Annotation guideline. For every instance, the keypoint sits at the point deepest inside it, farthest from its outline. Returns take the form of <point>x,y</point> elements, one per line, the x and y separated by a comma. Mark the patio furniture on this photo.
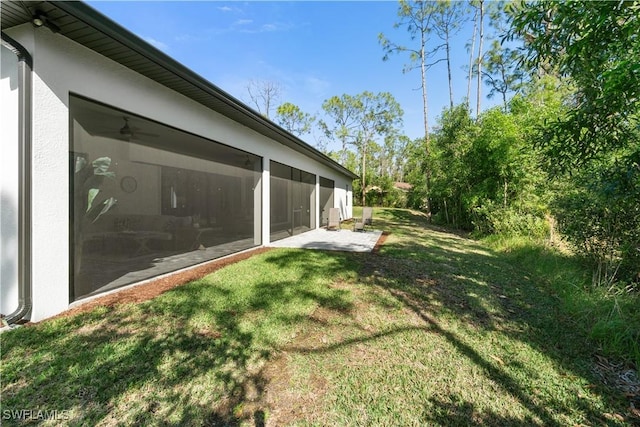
<point>191,238</point>
<point>141,240</point>
<point>135,232</point>
<point>367,215</point>
<point>334,219</point>
<point>367,219</point>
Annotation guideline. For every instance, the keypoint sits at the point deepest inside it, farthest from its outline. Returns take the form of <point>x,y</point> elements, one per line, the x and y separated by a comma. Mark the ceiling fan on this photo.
<point>128,132</point>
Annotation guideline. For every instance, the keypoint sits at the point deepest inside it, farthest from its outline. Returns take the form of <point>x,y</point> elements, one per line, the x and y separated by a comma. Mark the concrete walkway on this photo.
<point>343,240</point>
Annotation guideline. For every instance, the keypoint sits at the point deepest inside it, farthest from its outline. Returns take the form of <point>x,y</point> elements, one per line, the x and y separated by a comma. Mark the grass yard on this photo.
<point>434,329</point>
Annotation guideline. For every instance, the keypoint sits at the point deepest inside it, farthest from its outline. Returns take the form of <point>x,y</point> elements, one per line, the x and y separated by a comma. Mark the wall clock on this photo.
<point>128,184</point>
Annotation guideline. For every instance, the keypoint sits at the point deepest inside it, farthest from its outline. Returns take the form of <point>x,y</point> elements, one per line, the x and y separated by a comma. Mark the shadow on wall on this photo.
<point>8,254</point>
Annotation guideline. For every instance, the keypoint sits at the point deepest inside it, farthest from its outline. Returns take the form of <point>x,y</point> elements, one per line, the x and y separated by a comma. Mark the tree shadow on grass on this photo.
<point>498,375</point>
<point>192,356</point>
<point>444,275</point>
<point>87,372</point>
<point>196,355</point>
<point>453,412</point>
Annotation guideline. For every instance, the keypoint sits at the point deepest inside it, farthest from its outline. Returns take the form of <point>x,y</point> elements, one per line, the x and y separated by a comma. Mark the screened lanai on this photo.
<point>149,199</point>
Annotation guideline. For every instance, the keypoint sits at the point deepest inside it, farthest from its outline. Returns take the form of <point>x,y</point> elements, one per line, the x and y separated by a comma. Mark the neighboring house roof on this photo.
<point>86,26</point>
<point>404,186</point>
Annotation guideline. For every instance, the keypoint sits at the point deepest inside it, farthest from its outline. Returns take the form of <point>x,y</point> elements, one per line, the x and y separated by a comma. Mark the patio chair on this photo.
<point>359,224</point>
<point>367,215</point>
<point>334,219</point>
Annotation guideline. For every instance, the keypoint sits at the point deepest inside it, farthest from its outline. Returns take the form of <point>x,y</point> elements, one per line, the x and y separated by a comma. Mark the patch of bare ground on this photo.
<point>285,400</point>
<point>280,401</point>
<point>153,288</point>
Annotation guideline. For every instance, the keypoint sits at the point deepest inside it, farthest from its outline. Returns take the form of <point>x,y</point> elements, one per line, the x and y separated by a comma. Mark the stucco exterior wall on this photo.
<point>62,67</point>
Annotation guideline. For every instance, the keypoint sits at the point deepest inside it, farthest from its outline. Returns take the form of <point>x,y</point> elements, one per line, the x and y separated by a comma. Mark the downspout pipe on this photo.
<point>25,67</point>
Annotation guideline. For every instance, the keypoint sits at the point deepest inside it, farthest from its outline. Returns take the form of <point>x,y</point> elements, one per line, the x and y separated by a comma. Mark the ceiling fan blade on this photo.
<point>106,134</point>
<point>133,131</point>
<point>153,135</point>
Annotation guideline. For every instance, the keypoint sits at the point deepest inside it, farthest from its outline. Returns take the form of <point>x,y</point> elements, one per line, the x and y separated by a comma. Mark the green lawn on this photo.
<point>435,329</point>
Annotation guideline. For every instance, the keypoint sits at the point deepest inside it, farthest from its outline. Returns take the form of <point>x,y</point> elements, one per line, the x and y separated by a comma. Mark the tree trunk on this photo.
<point>446,212</point>
<point>364,171</point>
<point>505,194</point>
<point>423,70</point>
<point>479,95</point>
<point>471,52</point>
<point>448,50</point>
<point>504,87</point>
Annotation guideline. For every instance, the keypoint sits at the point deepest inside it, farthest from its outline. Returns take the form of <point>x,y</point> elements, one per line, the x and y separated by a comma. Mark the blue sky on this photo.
<point>314,50</point>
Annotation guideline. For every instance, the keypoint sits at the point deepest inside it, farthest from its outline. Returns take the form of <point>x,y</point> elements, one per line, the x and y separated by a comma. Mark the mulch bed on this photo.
<point>380,242</point>
<point>153,288</point>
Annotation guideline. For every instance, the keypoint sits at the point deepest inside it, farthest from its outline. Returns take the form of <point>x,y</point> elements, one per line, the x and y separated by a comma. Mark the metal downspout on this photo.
<point>25,67</point>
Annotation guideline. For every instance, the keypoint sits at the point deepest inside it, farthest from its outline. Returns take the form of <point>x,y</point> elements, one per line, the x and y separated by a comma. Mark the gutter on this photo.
<point>25,67</point>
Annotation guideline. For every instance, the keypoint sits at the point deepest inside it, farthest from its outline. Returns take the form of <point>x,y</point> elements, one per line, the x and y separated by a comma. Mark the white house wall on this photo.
<point>61,67</point>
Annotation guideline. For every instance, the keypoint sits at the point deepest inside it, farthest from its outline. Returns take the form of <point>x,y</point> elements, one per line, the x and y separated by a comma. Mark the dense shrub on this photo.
<point>489,219</point>
<point>600,217</point>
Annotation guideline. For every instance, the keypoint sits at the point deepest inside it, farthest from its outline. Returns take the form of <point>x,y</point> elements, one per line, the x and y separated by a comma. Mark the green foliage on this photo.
<point>593,143</point>
<point>90,205</point>
<point>382,192</point>
<point>486,177</point>
<point>611,319</point>
<point>502,74</point>
<point>293,119</point>
<point>600,216</point>
<point>596,46</point>
<point>494,219</point>
<point>451,173</point>
<point>415,174</point>
<point>358,121</point>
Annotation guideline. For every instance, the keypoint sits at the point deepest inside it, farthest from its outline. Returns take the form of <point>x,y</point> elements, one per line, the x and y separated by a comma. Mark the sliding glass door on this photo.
<point>327,188</point>
<point>293,204</point>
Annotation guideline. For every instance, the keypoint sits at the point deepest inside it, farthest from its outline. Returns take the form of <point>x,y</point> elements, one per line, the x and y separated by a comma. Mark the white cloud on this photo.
<point>243,22</point>
<point>264,28</point>
<point>157,44</point>
<point>228,9</point>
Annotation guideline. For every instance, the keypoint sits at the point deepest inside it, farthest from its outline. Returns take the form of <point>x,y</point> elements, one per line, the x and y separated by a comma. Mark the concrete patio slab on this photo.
<point>329,240</point>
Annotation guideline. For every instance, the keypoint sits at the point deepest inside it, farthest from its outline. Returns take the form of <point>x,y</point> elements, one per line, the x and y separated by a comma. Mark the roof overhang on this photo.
<point>86,26</point>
